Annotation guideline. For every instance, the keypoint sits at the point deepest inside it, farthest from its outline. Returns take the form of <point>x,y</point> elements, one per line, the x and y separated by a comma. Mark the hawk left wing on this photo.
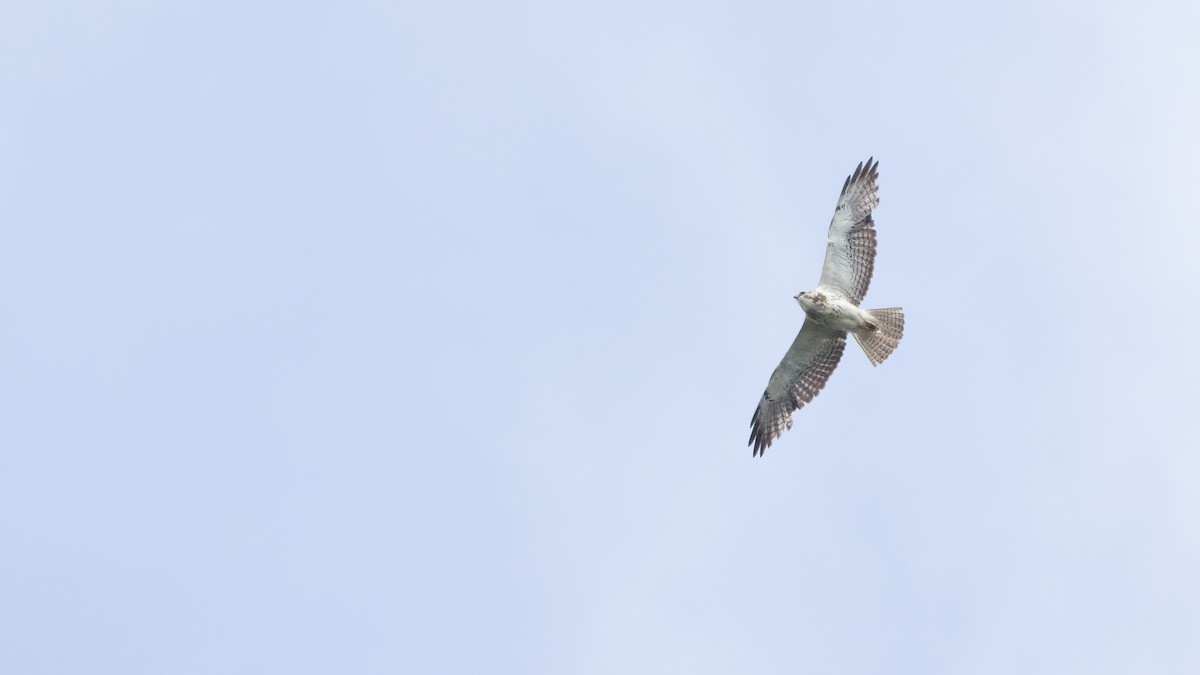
<point>850,254</point>
<point>800,376</point>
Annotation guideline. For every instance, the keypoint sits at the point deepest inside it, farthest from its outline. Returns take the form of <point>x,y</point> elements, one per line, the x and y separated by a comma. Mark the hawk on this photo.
<point>832,311</point>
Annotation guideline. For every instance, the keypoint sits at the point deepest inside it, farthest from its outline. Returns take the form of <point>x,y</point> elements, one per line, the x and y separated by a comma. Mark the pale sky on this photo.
<point>424,338</point>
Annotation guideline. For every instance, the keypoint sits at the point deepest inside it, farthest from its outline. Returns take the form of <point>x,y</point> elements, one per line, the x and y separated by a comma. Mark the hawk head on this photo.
<point>810,299</point>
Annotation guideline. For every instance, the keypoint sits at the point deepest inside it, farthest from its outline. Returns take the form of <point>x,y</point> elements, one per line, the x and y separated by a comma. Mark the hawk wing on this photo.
<point>850,255</point>
<point>801,375</point>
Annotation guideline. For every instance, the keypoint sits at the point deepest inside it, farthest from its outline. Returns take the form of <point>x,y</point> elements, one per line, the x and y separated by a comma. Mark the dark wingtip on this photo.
<point>864,170</point>
<point>760,444</point>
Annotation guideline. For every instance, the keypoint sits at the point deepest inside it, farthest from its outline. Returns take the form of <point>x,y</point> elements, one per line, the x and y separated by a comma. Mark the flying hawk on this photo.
<point>832,310</point>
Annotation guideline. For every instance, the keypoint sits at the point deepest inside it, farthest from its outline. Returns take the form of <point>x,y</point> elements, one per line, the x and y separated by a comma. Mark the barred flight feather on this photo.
<point>800,376</point>
<point>850,252</point>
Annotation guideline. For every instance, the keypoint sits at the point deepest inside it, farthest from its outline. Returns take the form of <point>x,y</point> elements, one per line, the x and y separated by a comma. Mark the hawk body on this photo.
<point>832,311</point>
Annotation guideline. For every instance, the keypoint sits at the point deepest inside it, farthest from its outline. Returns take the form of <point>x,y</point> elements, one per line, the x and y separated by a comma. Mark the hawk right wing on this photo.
<point>800,376</point>
<point>850,254</point>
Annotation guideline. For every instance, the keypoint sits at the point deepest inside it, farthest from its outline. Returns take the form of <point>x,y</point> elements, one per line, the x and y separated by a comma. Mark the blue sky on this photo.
<point>387,337</point>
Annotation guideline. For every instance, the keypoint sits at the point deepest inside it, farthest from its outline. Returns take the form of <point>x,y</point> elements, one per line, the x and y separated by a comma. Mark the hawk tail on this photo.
<point>879,340</point>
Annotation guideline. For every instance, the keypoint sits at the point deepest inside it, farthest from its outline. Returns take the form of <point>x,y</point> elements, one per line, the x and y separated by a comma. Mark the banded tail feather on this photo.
<point>879,340</point>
